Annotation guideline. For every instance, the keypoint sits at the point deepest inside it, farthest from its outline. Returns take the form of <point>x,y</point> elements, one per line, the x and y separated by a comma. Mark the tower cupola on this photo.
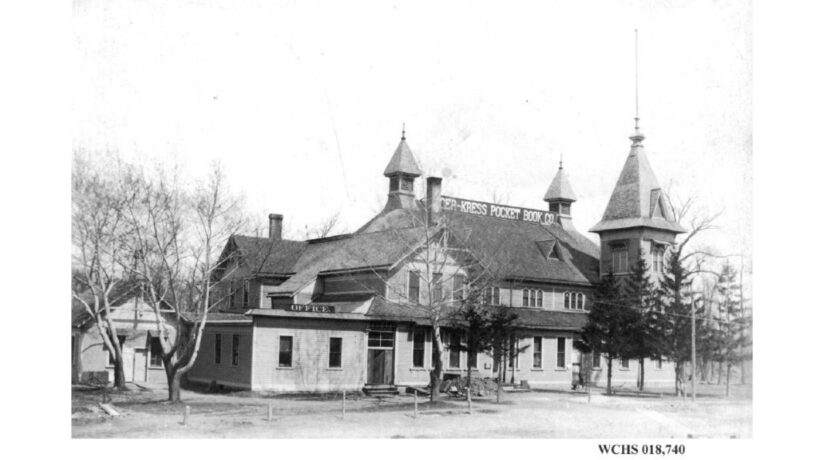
<point>402,171</point>
<point>560,196</point>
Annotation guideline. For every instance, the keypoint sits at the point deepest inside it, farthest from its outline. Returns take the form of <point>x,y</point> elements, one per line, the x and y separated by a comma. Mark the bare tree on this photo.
<point>178,235</point>
<point>100,257</point>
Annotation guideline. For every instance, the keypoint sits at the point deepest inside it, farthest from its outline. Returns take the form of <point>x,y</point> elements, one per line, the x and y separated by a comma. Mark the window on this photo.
<point>406,185</point>
<point>246,293</point>
<point>658,258</point>
<point>596,360</point>
<point>414,293</point>
<point>121,339</point>
<point>624,363</point>
<point>418,348</point>
<point>574,300</point>
<point>659,363</point>
<point>492,296</point>
<point>537,352</point>
<point>335,351</point>
<point>454,350</point>
<point>285,351</point>
<point>540,303</point>
<point>565,207</point>
<point>217,348</point>
<point>232,295</point>
<point>381,339</point>
<point>525,300</point>
<point>532,297</point>
<point>156,352</point>
<point>437,287</point>
<point>560,359</point>
<point>620,259</point>
<point>458,282</point>
<point>235,349</point>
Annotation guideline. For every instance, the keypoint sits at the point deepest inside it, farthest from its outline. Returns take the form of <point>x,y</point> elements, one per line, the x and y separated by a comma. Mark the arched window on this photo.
<point>540,299</point>
<point>579,304</point>
<point>526,298</point>
<point>566,300</point>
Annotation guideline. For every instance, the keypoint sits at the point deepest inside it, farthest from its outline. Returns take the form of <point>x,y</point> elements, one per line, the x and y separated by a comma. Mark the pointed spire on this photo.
<point>637,200</point>
<point>560,188</point>
<point>403,161</point>
<point>637,137</point>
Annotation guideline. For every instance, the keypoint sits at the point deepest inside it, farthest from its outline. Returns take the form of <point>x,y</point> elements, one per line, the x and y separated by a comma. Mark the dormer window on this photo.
<point>414,287</point>
<point>565,209</point>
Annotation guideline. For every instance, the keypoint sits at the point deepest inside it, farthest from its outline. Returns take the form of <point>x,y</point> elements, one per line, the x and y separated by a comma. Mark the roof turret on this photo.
<point>560,188</point>
<point>402,161</point>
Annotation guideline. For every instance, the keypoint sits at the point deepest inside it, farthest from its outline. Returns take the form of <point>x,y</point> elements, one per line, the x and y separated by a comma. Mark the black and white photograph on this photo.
<point>412,220</point>
<point>466,228</point>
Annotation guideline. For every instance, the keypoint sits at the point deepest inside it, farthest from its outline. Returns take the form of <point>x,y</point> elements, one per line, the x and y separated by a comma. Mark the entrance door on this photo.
<point>379,367</point>
<point>380,358</point>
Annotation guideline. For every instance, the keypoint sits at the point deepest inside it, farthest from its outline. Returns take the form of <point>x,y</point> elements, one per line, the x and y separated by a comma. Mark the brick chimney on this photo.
<point>433,199</point>
<point>275,226</point>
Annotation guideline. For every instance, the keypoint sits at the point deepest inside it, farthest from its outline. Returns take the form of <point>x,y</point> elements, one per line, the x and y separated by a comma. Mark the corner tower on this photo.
<point>402,171</point>
<point>638,221</point>
<point>560,197</point>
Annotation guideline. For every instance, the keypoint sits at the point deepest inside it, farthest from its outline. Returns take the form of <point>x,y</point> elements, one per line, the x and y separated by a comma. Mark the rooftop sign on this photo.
<point>481,208</point>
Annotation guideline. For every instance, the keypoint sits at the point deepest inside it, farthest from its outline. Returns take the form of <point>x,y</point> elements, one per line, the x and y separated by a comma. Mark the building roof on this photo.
<point>256,252</point>
<point>402,161</point>
<point>637,200</point>
<point>513,249</point>
<point>560,188</point>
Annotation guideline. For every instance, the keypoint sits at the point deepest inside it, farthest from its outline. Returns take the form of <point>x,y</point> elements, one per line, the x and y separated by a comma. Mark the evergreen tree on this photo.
<point>643,333</point>
<point>731,323</point>
<point>608,323</point>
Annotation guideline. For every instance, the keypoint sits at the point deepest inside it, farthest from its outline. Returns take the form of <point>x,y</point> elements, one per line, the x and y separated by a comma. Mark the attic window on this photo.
<point>549,248</point>
<point>565,209</point>
<point>554,207</point>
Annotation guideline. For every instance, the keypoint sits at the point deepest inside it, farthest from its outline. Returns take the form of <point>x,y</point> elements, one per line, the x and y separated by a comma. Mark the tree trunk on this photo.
<point>720,372</point>
<point>436,374</point>
<point>729,368</point>
<point>500,389</point>
<point>609,375</point>
<point>174,387</point>
<point>170,379</point>
<point>641,374</point>
<point>469,386</point>
<point>119,373</point>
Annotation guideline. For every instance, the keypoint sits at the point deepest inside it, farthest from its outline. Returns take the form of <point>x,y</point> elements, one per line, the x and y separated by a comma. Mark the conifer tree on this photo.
<point>607,324</point>
<point>644,333</point>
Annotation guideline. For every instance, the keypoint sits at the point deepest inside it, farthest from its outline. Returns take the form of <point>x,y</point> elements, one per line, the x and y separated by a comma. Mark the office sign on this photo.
<point>309,308</point>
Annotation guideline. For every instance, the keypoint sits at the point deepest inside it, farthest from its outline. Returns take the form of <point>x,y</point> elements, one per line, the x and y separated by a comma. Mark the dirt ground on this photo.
<point>532,414</point>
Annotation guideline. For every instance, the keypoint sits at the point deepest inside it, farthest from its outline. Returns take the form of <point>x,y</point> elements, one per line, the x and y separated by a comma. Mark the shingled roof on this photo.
<point>264,255</point>
<point>511,248</point>
<point>637,200</point>
<point>560,188</point>
<point>402,162</point>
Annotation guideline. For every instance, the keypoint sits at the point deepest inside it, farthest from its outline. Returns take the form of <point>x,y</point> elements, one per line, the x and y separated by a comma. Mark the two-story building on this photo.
<point>355,310</point>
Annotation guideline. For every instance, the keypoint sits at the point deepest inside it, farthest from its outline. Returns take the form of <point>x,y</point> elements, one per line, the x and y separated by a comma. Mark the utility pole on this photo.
<point>692,307</point>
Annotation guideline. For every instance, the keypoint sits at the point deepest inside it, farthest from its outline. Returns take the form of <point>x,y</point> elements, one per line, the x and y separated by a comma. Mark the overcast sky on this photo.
<point>303,101</point>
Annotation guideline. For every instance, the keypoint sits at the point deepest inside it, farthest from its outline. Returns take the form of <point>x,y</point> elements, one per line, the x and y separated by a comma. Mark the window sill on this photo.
<point>418,369</point>
<point>335,369</point>
<point>280,368</point>
<point>156,367</point>
<point>561,369</point>
<point>537,369</point>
